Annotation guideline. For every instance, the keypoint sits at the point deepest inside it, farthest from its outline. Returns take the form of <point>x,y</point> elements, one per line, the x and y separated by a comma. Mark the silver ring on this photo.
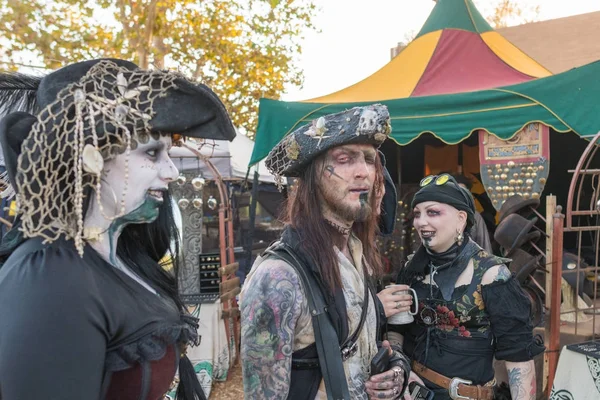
<point>395,390</point>
<point>397,371</point>
<point>397,304</point>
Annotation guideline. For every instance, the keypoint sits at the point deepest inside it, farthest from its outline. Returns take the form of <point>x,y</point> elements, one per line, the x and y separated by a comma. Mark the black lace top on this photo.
<point>77,328</point>
<point>461,336</point>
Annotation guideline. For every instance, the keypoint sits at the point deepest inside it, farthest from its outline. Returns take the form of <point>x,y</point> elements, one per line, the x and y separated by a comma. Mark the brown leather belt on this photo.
<point>458,388</point>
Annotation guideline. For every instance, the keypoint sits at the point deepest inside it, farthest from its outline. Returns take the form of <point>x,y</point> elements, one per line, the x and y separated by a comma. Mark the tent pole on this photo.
<point>252,219</point>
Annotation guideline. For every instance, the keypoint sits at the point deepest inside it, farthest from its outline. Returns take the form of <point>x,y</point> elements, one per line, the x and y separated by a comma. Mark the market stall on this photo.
<point>463,99</point>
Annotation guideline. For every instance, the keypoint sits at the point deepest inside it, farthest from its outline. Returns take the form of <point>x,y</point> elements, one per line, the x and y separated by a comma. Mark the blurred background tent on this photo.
<point>231,159</point>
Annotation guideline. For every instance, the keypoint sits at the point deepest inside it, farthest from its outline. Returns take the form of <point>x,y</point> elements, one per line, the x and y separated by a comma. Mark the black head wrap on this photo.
<point>448,193</point>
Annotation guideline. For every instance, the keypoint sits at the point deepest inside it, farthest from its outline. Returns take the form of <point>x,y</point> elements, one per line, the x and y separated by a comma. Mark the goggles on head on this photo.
<point>438,180</point>
<point>442,179</point>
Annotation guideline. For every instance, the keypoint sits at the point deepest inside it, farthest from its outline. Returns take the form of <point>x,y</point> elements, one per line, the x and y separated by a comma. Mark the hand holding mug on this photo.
<point>394,301</point>
<point>404,315</point>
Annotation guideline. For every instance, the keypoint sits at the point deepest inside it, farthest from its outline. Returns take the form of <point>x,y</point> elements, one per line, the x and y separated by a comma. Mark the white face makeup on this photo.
<point>346,182</point>
<point>150,171</point>
<point>438,224</point>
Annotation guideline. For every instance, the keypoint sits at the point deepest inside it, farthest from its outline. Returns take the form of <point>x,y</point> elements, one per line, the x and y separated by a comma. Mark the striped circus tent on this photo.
<point>457,76</point>
<point>456,51</point>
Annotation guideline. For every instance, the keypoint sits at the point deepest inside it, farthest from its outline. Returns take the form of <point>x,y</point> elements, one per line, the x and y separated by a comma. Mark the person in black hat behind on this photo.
<point>470,307</point>
<point>290,349</point>
<point>87,311</point>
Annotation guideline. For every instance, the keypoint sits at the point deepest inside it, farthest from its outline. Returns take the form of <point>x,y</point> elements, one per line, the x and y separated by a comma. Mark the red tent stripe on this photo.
<point>462,62</point>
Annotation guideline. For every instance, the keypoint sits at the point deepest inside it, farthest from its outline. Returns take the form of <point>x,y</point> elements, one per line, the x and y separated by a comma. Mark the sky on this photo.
<point>356,36</point>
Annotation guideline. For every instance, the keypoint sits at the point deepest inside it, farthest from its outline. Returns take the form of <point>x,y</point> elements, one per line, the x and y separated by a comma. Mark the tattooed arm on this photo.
<point>521,375</point>
<point>521,379</point>
<point>270,306</point>
<point>496,273</point>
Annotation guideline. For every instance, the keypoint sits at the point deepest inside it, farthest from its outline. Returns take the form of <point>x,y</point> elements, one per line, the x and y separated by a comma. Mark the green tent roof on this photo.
<point>455,14</point>
<point>566,102</point>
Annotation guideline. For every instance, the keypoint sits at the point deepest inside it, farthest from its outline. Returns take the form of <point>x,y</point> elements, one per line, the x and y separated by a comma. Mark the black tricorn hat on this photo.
<point>514,231</point>
<point>518,204</point>
<point>359,125</point>
<point>190,109</point>
<point>187,108</point>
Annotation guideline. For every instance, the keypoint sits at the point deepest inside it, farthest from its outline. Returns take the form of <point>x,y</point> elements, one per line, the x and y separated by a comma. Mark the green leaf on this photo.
<point>467,300</point>
<point>461,308</point>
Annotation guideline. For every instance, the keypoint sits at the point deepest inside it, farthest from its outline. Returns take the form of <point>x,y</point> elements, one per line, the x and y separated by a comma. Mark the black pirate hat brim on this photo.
<point>192,109</point>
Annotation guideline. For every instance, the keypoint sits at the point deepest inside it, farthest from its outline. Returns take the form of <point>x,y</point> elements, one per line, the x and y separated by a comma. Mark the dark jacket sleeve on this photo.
<point>510,318</point>
<point>52,340</point>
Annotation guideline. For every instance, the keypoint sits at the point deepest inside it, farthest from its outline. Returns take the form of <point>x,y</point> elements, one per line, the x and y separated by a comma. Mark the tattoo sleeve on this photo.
<point>270,306</point>
<point>503,274</point>
<point>521,379</point>
<point>498,273</point>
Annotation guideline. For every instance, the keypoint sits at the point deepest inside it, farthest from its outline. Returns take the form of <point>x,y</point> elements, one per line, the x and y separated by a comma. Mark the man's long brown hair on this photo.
<point>303,212</point>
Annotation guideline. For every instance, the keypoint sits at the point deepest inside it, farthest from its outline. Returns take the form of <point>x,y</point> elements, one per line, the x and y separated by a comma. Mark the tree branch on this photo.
<point>147,38</point>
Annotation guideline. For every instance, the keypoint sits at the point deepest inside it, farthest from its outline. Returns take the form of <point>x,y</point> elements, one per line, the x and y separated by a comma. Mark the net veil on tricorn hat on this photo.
<point>103,107</point>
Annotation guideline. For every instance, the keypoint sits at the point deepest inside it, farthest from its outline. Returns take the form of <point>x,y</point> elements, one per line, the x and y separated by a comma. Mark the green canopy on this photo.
<point>455,15</point>
<point>567,102</point>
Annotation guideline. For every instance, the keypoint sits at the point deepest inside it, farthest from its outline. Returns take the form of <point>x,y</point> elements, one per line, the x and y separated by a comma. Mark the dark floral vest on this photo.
<point>465,315</point>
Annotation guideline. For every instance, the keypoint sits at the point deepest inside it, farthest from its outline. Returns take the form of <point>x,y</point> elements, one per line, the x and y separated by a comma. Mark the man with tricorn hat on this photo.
<point>87,310</point>
<point>310,317</point>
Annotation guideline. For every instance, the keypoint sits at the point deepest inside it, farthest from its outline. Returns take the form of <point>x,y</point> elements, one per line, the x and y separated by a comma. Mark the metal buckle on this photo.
<point>348,352</point>
<point>453,389</point>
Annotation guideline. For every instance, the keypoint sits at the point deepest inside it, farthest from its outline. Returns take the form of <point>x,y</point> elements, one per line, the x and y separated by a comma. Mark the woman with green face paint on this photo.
<point>87,311</point>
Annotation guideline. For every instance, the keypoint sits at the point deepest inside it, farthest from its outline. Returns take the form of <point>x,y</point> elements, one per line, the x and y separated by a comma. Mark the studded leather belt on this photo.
<point>457,387</point>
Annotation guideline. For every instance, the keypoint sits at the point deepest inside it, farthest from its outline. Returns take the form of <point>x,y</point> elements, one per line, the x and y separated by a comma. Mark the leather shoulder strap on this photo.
<point>330,359</point>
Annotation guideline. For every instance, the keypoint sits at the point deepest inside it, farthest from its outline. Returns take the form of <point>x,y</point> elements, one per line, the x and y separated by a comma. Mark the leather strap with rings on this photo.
<point>457,388</point>
<point>350,345</point>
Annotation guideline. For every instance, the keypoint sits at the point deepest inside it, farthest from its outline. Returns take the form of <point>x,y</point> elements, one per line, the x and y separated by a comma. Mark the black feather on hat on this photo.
<point>18,92</point>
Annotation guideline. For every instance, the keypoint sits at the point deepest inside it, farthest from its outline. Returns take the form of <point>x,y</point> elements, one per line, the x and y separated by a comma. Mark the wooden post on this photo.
<point>550,210</point>
<point>557,252</point>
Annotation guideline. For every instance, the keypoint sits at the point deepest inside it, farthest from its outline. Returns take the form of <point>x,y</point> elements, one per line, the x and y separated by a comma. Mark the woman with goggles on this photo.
<point>471,310</point>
